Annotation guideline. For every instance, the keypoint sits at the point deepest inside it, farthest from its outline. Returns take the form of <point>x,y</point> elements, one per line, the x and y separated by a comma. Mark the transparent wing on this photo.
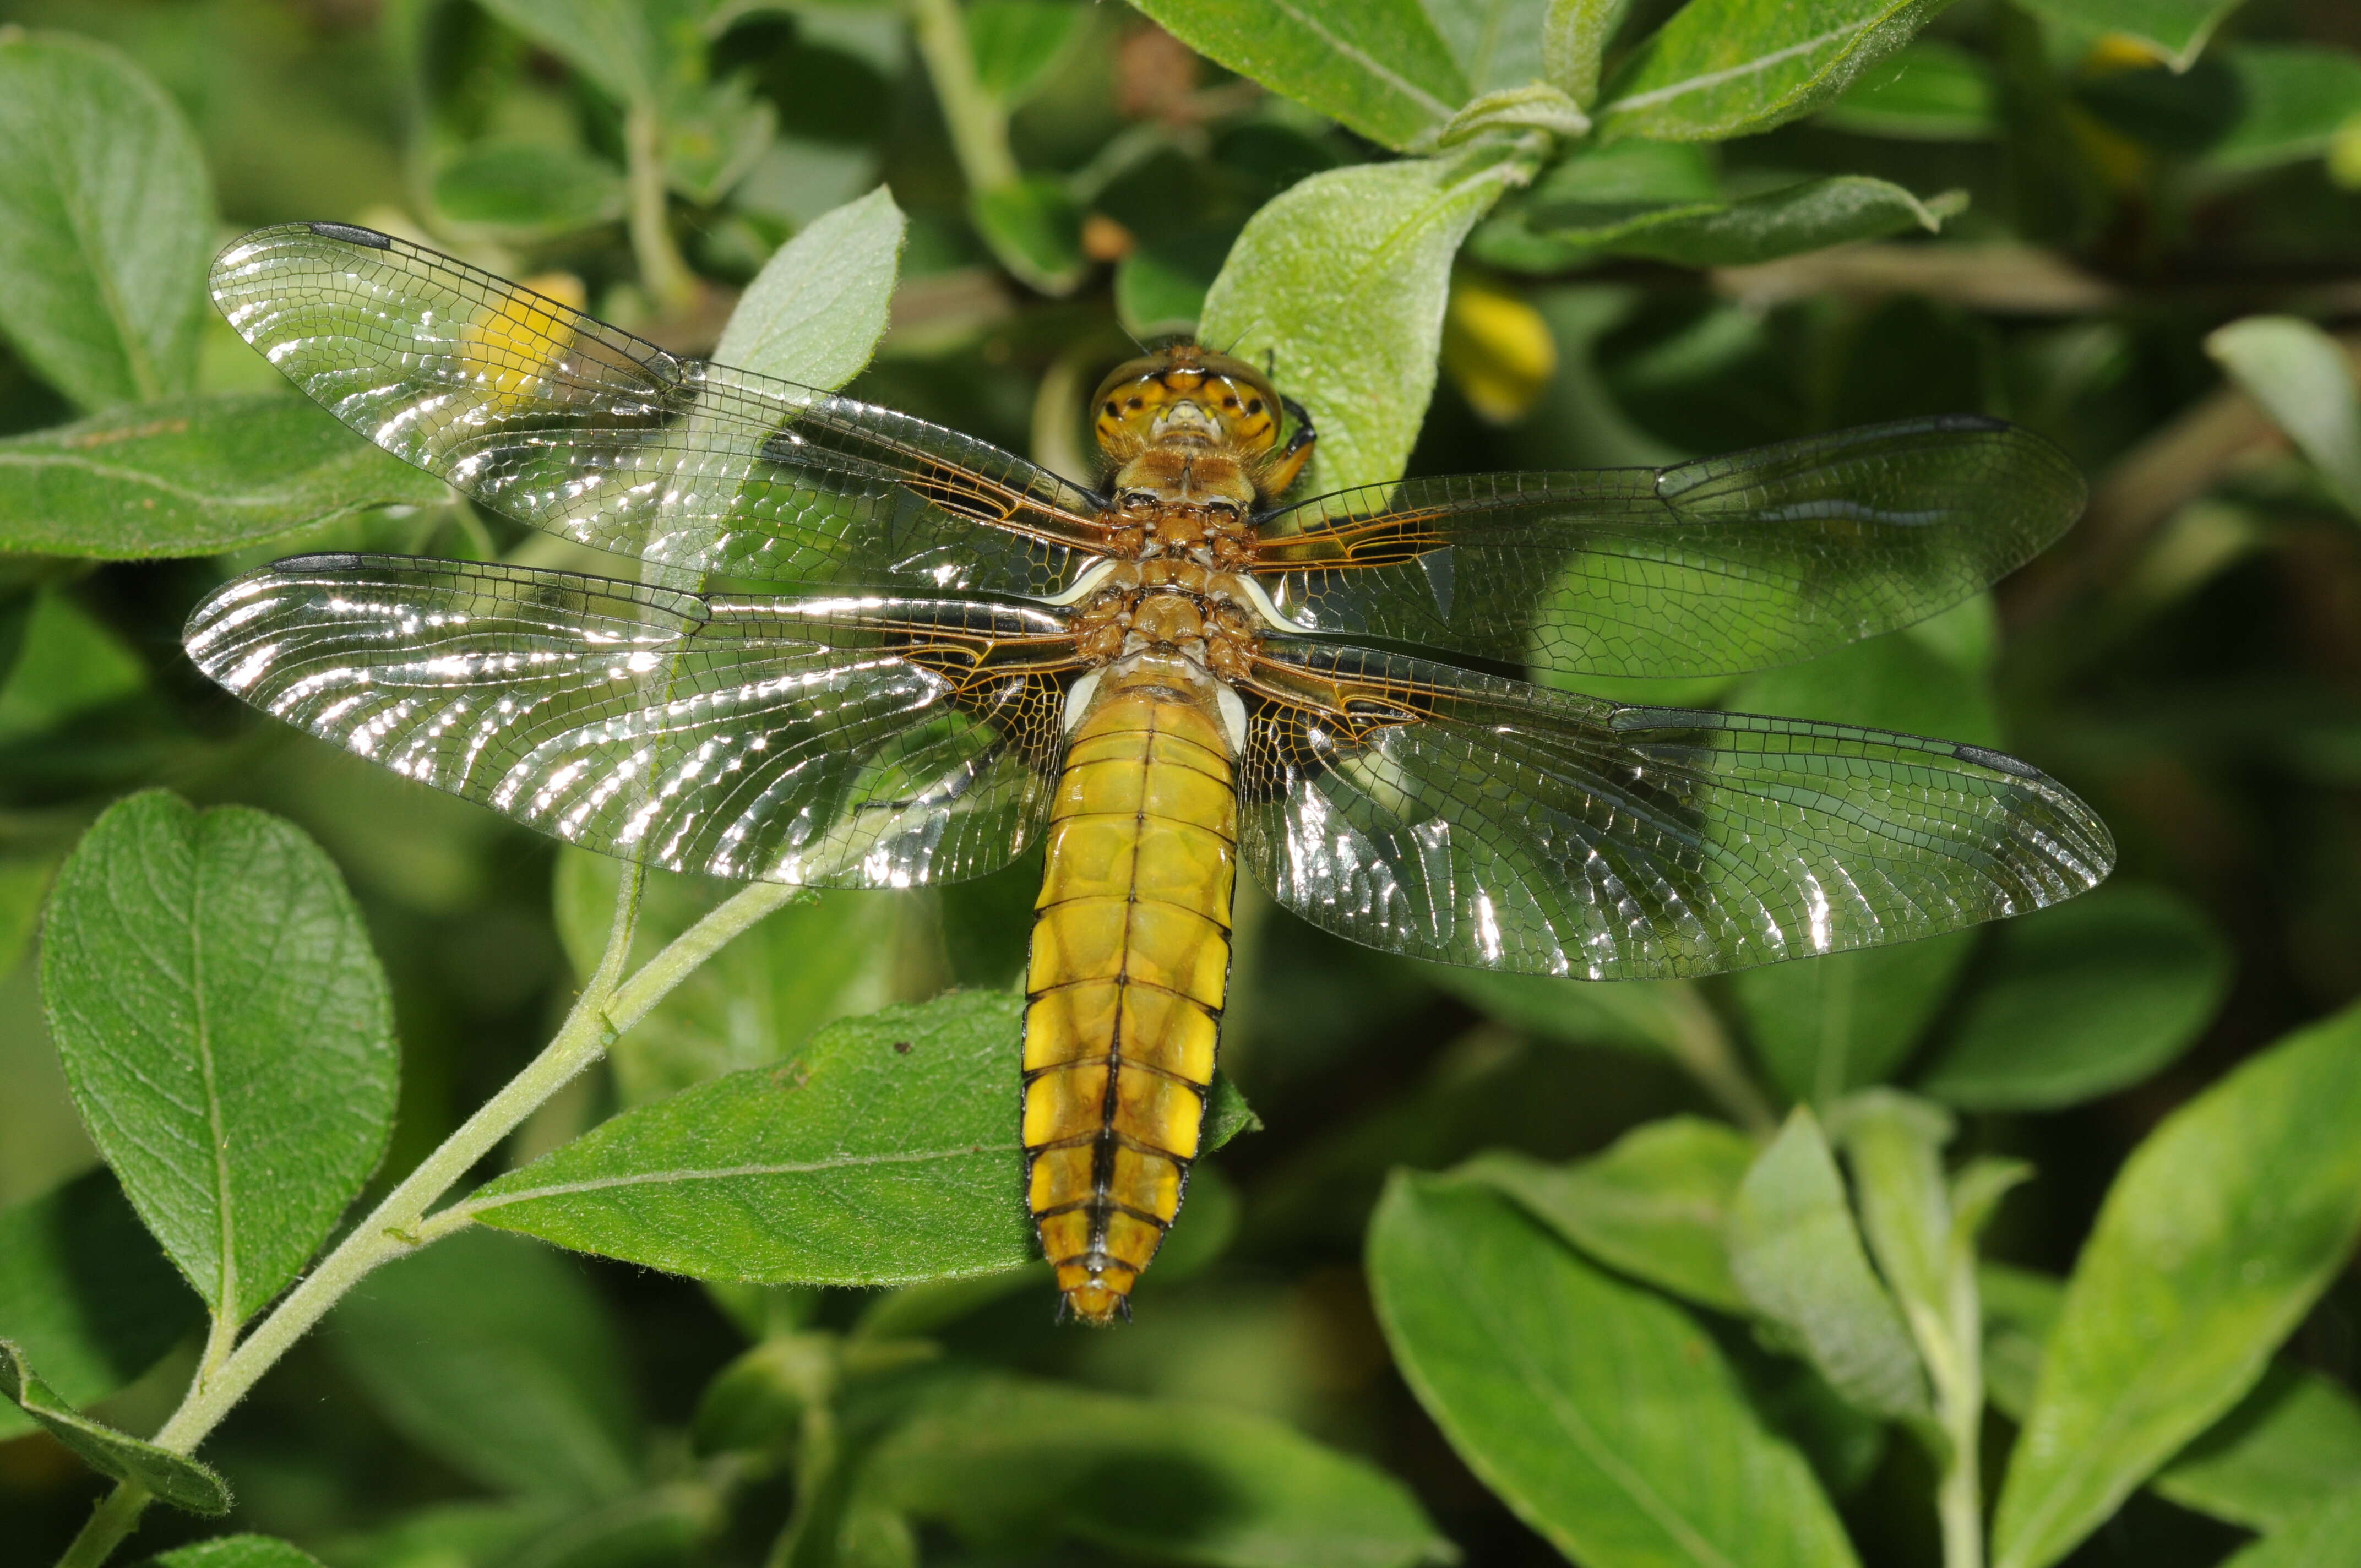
<point>855,742</point>
<point>1757,558</point>
<point>1429,811</point>
<point>567,423</point>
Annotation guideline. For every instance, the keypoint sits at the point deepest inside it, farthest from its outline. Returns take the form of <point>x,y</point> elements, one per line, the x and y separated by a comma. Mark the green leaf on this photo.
<point>2175,31</point>
<point>634,49</point>
<point>178,1480</point>
<point>528,190</point>
<point>238,1552</point>
<point>2289,1446</point>
<point>226,1034</point>
<point>1575,35</point>
<point>2304,380</point>
<point>714,134</point>
<point>1340,285</point>
<point>1825,1027</point>
<point>1497,44</point>
<point>495,1355</point>
<point>193,476</point>
<point>881,1152</point>
<point>1016,41</point>
<point>820,958</point>
<point>1600,1413</point>
<point>2083,1000</point>
<point>1649,1015</point>
<point>1895,1144</point>
<point>1797,1254</point>
<point>1160,288</point>
<point>1003,1460</point>
<point>2293,1442</point>
<point>1929,91</point>
<point>1379,67</point>
<point>1035,229</point>
<point>85,1293</point>
<point>106,222</point>
<point>2328,1536</point>
<point>2293,100</point>
<point>1812,215</point>
<point>71,664</point>
<point>1653,1205</point>
<point>1731,68</point>
<point>813,315</point>
<point>2224,1227</point>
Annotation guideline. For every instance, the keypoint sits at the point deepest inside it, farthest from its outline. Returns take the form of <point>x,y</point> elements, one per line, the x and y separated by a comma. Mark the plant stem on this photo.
<point>662,268</point>
<point>115,1518</point>
<point>978,124</point>
<point>391,1229</point>
<point>1703,1049</point>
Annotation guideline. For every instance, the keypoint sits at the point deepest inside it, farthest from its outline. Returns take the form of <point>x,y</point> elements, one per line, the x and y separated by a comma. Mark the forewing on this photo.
<point>1432,811</point>
<point>1742,562</point>
<point>855,742</point>
<point>567,423</point>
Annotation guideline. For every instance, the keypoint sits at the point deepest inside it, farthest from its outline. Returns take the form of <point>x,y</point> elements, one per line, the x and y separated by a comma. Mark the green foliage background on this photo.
<point>1509,1270</point>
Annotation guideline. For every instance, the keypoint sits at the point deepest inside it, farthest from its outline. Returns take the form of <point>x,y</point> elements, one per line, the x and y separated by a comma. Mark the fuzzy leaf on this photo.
<point>227,1033</point>
<point>178,1480</point>
<point>813,315</point>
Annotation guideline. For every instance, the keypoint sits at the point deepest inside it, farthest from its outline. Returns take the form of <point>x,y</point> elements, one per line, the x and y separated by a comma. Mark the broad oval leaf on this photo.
<point>1016,41</point>
<point>1930,91</point>
<point>192,477</point>
<point>106,222</point>
<point>2083,1000</point>
<point>85,1294</point>
<point>2224,1227</point>
<point>2306,383</point>
<point>883,1151</point>
<point>1731,68</point>
<point>631,48</point>
<point>1003,1460</point>
<point>1378,66</point>
<point>2294,100</point>
<point>1653,1205</point>
<point>2174,31</point>
<point>1602,1414</point>
<point>238,1552</point>
<point>176,1478</point>
<point>1339,285</point>
<point>1796,1253</point>
<point>1813,215</point>
<point>813,315</point>
<point>528,190</point>
<point>2324,1536</point>
<point>495,1355</point>
<point>226,1031</point>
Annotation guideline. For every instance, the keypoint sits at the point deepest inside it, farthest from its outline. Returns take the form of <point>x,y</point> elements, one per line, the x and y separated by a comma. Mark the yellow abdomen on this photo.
<point>1131,954</point>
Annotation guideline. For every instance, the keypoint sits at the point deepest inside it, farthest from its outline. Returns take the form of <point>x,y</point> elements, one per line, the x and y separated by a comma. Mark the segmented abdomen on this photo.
<point>1131,955</point>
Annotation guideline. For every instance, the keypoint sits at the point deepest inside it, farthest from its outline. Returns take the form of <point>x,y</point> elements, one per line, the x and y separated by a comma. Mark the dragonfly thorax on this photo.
<point>1173,608</point>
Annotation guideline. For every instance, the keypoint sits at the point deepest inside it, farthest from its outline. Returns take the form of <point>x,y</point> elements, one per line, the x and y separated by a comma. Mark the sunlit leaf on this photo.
<point>1798,1255</point>
<point>495,1354</point>
<point>1599,1413</point>
<point>227,1033</point>
<point>813,315</point>
<point>1381,67</point>
<point>882,1151</point>
<point>85,1293</point>
<point>2081,1000</point>
<point>2222,1230</point>
<point>1654,1205</point>
<point>2292,1444</point>
<point>1003,1460</point>
<point>1575,35</point>
<point>177,1479</point>
<point>2305,382</point>
<point>192,477</point>
<point>1729,67</point>
<point>106,222</point>
<point>1340,284</point>
<point>2323,1537</point>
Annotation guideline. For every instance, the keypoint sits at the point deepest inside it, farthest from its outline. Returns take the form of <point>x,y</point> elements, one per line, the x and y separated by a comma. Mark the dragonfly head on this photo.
<point>1185,395</point>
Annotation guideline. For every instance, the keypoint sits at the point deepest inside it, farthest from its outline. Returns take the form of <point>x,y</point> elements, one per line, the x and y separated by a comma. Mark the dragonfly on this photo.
<point>1163,677</point>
